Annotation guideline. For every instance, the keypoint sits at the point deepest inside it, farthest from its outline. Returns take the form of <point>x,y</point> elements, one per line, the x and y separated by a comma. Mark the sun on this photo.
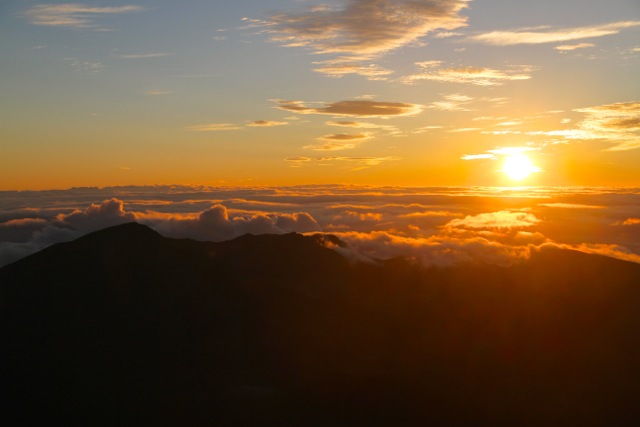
<point>518,166</point>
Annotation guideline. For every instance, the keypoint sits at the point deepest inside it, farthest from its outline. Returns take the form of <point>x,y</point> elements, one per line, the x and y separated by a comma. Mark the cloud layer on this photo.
<point>437,226</point>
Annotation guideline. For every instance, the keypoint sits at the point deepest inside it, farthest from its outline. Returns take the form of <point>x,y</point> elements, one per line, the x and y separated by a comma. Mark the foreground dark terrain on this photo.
<point>125,327</point>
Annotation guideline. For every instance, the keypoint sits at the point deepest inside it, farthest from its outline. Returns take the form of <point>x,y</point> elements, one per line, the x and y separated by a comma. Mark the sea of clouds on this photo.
<point>436,226</point>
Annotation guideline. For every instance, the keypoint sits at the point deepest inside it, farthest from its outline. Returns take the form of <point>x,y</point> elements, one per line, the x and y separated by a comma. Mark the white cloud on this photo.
<point>527,36</point>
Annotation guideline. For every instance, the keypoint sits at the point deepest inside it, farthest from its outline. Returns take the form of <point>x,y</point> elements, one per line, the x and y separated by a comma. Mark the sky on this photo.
<point>413,93</point>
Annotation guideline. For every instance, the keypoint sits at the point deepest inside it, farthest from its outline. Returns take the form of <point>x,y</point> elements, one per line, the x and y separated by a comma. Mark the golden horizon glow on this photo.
<point>518,167</point>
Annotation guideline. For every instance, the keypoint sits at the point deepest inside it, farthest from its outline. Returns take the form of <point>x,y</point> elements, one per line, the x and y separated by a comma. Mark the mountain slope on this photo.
<point>125,327</point>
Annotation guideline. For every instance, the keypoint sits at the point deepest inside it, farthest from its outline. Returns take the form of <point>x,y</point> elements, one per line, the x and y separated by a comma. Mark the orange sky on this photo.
<point>279,92</point>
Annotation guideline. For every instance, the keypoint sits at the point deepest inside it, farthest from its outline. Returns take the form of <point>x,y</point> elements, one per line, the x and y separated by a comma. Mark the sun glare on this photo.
<point>518,167</point>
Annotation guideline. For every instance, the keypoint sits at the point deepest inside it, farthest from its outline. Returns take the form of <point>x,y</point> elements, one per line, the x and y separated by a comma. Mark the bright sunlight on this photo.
<point>518,167</point>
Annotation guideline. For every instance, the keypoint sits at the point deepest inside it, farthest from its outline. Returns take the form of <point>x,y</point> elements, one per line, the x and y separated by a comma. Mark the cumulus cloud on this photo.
<point>73,15</point>
<point>356,108</point>
<point>433,70</point>
<point>216,224</point>
<point>97,216</point>
<point>495,220</point>
<point>434,225</point>
<point>434,250</point>
<point>546,35</point>
<point>363,27</point>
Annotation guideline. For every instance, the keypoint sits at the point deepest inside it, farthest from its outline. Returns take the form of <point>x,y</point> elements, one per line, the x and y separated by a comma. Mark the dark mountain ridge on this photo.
<point>126,327</point>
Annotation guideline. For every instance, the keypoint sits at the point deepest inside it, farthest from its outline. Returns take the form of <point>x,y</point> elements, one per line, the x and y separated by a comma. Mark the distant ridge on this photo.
<point>126,327</point>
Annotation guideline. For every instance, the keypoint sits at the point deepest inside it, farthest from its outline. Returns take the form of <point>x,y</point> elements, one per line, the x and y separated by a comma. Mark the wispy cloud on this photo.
<point>618,123</point>
<point>452,102</point>
<point>141,55</point>
<point>570,47</point>
<point>495,152</point>
<point>433,70</point>
<point>213,127</point>
<point>361,162</point>
<point>266,123</point>
<point>360,125</point>
<point>341,69</point>
<point>527,36</point>
<point>359,108</point>
<point>84,66</point>
<point>73,15</point>
<point>339,141</point>
<point>460,130</point>
<point>346,137</point>
<point>368,161</point>
<point>331,146</point>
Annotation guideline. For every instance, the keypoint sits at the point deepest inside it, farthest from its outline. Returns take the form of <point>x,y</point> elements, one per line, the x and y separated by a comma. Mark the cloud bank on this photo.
<point>435,226</point>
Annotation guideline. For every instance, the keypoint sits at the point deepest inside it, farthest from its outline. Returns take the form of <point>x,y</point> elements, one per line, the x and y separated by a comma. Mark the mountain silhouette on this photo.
<point>126,327</point>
